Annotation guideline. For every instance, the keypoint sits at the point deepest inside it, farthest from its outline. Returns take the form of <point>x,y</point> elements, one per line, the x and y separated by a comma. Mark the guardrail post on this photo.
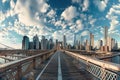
<point>34,63</point>
<point>19,72</point>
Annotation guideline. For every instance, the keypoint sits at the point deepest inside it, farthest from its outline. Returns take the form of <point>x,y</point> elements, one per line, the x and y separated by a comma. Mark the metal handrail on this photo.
<point>101,63</point>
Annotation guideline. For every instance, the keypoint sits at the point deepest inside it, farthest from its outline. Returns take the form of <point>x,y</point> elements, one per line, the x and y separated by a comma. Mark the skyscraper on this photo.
<point>116,45</point>
<point>64,42</point>
<point>113,44</point>
<point>105,35</point>
<point>91,41</point>
<point>36,42</point>
<point>81,43</point>
<point>43,43</point>
<point>100,43</point>
<point>25,43</point>
<point>31,45</point>
<point>87,48</point>
<point>109,43</point>
<point>46,44</point>
<point>56,41</point>
<point>50,43</point>
<point>74,39</point>
<point>39,45</point>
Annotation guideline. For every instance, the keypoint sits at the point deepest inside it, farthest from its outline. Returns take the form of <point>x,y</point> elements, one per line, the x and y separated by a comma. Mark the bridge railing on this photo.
<point>88,53</point>
<point>17,70</point>
<point>23,52</point>
<point>102,70</point>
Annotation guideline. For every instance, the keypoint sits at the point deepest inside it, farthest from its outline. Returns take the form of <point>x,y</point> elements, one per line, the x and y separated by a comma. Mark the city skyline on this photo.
<point>36,44</point>
<point>52,18</point>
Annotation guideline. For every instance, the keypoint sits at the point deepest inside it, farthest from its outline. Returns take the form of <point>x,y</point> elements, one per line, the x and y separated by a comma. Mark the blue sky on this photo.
<point>55,18</point>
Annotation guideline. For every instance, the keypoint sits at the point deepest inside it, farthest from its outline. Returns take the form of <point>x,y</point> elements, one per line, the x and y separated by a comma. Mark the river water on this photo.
<point>2,61</point>
<point>116,59</point>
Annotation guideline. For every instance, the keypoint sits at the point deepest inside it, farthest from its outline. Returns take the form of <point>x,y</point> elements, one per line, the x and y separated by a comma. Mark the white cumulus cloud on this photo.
<point>82,3</point>
<point>51,13</point>
<point>113,16</point>
<point>42,6</point>
<point>101,4</point>
<point>91,20</point>
<point>76,1</point>
<point>25,15</point>
<point>79,25</point>
<point>113,24</point>
<point>69,13</point>
<point>3,1</point>
<point>12,4</point>
<point>85,33</point>
<point>85,5</point>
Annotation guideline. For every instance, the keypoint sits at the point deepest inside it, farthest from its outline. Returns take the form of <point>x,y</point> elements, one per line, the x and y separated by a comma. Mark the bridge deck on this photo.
<point>61,67</point>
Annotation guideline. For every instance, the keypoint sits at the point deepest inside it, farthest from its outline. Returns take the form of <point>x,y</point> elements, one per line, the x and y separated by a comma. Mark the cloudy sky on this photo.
<point>55,18</point>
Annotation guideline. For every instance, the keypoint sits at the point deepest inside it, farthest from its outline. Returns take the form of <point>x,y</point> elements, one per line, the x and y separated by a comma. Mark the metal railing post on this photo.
<point>19,72</point>
<point>34,63</point>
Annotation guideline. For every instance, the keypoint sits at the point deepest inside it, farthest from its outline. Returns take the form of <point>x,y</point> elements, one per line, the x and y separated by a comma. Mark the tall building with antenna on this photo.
<point>105,35</point>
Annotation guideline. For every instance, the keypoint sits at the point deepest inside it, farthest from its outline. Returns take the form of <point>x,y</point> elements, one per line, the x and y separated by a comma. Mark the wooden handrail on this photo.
<point>16,63</point>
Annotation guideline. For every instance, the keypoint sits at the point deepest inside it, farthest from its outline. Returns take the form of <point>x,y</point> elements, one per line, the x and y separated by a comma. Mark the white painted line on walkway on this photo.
<point>44,68</point>
<point>59,68</point>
